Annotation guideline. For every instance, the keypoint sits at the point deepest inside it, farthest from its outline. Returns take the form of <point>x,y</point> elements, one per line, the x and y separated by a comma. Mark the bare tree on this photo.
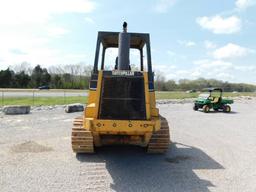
<point>24,66</point>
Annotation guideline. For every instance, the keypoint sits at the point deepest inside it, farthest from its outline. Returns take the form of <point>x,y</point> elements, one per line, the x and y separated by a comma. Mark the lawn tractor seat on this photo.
<point>215,99</point>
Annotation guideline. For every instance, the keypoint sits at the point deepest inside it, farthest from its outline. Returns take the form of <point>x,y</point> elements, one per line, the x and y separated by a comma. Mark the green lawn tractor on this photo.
<point>211,98</point>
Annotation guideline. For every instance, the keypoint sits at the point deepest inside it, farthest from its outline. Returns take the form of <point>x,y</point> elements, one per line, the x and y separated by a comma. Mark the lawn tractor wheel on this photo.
<point>206,108</point>
<point>227,108</point>
<point>195,107</point>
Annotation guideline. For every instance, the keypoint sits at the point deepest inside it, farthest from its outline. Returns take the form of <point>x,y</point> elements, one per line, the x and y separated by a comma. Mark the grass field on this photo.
<point>80,99</point>
<point>43,100</point>
<point>174,95</point>
<point>37,90</point>
<point>183,95</point>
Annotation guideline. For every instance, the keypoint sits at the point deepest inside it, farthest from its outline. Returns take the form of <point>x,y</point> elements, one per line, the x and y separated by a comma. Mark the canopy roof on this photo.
<point>110,39</point>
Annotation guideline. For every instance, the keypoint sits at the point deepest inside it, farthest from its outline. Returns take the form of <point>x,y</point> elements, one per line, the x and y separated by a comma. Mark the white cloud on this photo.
<point>20,41</point>
<point>220,25</point>
<point>230,51</point>
<point>187,43</point>
<point>43,56</point>
<point>57,31</point>
<point>89,20</point>
<point>209,44</point>
<point>165,68</point>
<point>225,76</point>
<point>16,12</point>
<point>244,4</point>
<point>216,69</point>
<point>183,73</point>
<point>168,71</point>
<point>202,68</point>
<point>162,6</point>
<point>245,68</point>
<point>209,69</point>
<point>213,64</point>
<point>27,31</point>
<point>190,44</point>
<point>16,48</point>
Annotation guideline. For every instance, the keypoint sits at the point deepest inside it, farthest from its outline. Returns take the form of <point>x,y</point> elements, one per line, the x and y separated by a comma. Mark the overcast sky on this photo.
<point>189,38</point>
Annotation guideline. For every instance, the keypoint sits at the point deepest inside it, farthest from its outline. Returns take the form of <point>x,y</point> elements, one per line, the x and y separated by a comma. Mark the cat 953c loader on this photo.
<point>121,106</point>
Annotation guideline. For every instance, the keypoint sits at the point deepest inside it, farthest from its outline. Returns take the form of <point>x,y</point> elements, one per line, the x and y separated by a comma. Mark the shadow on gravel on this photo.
<point>133,170</point>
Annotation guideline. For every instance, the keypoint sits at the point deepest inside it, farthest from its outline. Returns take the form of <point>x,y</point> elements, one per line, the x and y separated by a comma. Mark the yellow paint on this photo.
<point>123,126</point>
<point>98,92</point>
<point>147,97</point>
<point>134,128</point>
<point>92,96</point>
<point>153,109</point>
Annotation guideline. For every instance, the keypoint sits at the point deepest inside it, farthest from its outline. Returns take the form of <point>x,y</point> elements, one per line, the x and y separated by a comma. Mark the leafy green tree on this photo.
<point>46,77</point>
<point>171,85</point>
<point>6,78</point>
<point>56,82</point>
<point>40,77</point>
<point>22,80</point>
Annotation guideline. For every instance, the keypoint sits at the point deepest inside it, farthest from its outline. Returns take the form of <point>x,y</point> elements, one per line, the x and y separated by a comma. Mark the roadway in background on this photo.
<point>42,93</point>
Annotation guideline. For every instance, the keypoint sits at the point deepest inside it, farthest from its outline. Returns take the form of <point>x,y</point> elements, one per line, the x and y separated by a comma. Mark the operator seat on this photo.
<point>215,99</point>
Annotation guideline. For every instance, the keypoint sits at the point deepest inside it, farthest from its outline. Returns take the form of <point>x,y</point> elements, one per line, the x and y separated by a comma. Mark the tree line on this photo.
<point>198,84</point>
<point>78,77</point>
<point>56,77</point>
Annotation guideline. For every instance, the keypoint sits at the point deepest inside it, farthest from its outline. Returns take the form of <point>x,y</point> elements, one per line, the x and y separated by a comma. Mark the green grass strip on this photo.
<point>43,100</point>
<point>82,99</point>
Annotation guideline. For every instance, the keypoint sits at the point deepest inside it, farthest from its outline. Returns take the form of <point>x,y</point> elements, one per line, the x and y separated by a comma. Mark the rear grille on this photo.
<point>122,98</point>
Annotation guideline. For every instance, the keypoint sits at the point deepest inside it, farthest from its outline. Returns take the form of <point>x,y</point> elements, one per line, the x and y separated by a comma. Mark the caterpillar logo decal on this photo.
<point>123,73</point>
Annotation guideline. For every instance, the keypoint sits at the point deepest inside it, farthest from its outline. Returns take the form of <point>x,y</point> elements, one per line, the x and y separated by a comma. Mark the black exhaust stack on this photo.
<point>124,49</point>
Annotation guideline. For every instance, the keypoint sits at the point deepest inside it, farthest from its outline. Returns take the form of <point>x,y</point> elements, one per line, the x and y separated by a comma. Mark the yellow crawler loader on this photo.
<point>121,106</point>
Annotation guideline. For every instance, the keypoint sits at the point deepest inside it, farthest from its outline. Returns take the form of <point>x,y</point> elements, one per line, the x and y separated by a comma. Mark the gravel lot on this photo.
<point>210,152</point>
